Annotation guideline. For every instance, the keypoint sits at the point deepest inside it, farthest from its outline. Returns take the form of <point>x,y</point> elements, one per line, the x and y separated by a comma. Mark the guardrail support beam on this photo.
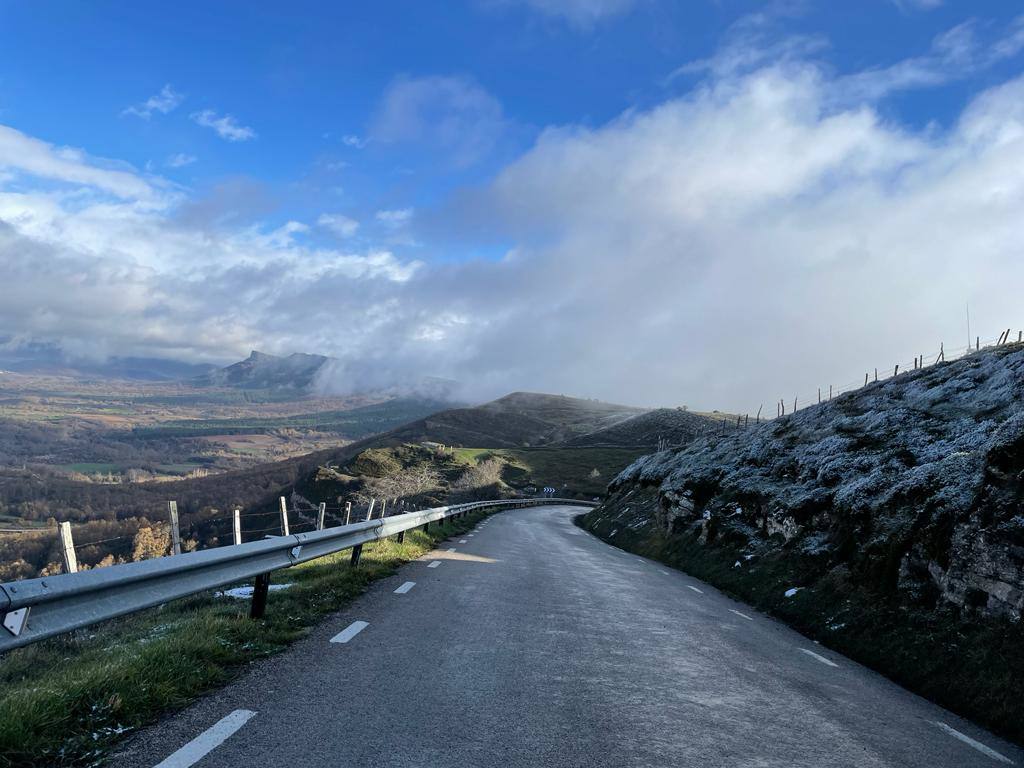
<point>357,553</point>
<point>260,590</point>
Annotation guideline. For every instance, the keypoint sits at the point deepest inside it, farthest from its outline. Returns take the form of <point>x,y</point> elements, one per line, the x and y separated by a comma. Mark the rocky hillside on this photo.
<point>888,522</point>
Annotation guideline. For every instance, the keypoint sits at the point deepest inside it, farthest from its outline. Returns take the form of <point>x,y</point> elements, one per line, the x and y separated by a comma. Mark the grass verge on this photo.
<point>969,664</point>
<point>67,700</point>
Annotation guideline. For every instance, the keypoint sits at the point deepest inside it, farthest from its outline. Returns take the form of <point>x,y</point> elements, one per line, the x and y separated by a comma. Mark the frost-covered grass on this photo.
<point>65,701</point>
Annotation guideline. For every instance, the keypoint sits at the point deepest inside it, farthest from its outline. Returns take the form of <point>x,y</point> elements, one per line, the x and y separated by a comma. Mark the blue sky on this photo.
<point>419,156</point>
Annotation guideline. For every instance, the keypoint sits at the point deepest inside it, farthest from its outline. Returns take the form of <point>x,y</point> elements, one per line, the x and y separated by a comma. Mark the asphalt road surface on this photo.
<point>531,643</point>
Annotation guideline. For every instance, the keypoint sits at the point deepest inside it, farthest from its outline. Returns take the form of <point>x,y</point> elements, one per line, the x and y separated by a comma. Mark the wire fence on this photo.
<point>787,406</point>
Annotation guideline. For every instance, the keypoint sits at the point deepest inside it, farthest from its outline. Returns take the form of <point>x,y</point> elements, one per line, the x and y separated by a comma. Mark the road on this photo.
<point>531,643</point>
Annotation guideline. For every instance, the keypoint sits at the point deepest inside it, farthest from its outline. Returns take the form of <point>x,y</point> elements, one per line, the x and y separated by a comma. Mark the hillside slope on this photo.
<point>521,419</point>
<point>673,425</point>
<point>887,523</point>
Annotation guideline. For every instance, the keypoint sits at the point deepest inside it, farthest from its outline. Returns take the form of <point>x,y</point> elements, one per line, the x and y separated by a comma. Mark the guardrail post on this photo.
<point>260,589</point>
<point>67,549</point>
<point>236,525</point>
<point>400,537</point>
<point>357,552</point>
<point>348,512</point>
<point>284,518</point>
<point>172,514</point>
<point>321,513</point>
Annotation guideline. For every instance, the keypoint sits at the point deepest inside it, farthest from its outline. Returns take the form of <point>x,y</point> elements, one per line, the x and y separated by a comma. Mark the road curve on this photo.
<point>536,644</point>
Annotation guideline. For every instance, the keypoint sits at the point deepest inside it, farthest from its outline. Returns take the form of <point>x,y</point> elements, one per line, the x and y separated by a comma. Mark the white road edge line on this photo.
<point>819,657</point>
<point>695,589</point>
<point>350,631</point>
<point>405,587</point>
<point>976,744</point>
<point>207,741</point>
<point>740,614</point>
<point>434,564</point>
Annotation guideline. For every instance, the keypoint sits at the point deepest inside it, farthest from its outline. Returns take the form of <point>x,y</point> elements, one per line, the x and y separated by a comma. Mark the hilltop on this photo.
<point>520,419</point>
<point>886,523</point>
<point>675,426</point>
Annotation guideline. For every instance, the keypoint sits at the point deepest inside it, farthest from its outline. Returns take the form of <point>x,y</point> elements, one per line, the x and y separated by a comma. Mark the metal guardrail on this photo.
<point>35,609</point>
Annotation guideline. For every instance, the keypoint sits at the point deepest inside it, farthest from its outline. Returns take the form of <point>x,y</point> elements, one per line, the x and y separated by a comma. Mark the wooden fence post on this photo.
<point>896,370</point>
<point>759,413</point>
<point>236,525</point>
<point>320,515</point>
<point>172,514</point>
<point>348,512</point>
<point>285,530</point>
<point>829,391</point>
<point>67,549</point>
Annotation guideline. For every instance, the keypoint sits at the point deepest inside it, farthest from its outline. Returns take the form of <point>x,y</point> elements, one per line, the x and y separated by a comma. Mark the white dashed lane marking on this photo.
<point>988,751</point>
<point>434,564</point>
<point>350,631</point>
<point>695,589</point>
<point>743,615</point>
<point>207,741</point>
<point>405,587</point>
<point>819,657</point>
<point>463,541</point>
<point>452,549</point>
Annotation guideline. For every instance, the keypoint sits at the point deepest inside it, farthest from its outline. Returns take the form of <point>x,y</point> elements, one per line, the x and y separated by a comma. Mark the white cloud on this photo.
<point>339,224</point>
<point>224,125</point>
<point>180,160</point>
<point>453,115</point>
<point>28,155</point>
<point>394,218</point>
<point>166,101</point>
<point>351,140</point>
<point>753,239</point>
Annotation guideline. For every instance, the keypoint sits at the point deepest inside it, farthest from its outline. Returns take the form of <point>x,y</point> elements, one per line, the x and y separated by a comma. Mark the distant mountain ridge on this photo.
<point>297,372</point>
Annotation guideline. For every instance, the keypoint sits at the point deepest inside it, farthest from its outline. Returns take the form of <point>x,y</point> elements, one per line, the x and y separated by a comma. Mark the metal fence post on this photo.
<point>348,512</point>
<point>369,512</point>
<point>321,513</point>
<point>236,525</point>
<point>67,549</point>
<point>383,507</point>
<point>284,518</point>
<point>259,596</point>
<point>172,514</point>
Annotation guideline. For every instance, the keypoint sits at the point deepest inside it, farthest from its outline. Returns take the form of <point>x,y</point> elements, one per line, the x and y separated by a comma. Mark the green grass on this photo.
<point>66,701</point>
<point>91,468</point>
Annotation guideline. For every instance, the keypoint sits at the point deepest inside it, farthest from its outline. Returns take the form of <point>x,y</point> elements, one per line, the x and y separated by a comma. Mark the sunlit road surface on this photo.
<point>532,643</point>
